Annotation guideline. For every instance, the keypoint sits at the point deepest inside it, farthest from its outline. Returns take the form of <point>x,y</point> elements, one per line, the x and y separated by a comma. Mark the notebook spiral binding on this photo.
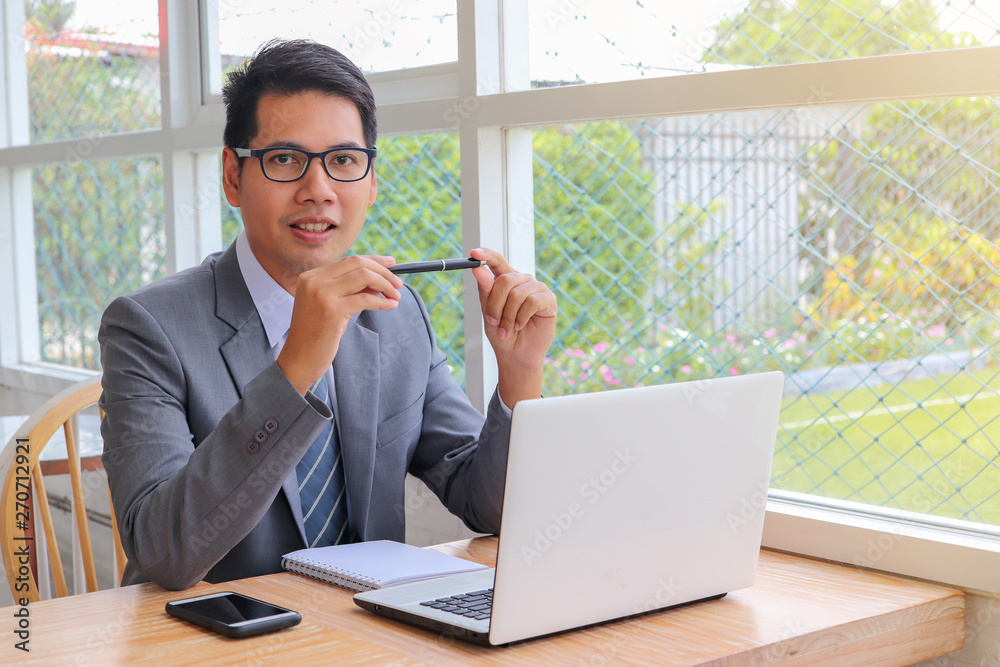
<point>343,578</point>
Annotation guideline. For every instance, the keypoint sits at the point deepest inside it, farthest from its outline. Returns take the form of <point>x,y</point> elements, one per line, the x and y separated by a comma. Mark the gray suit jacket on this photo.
<point>203,431</point>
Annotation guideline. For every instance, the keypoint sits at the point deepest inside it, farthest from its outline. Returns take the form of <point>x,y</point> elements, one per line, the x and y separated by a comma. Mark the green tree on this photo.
<point>593,215</point>
<point>775,32</point>
<point>898,222</point>
<point>48,17</point>
<point>418,216</point>
<point>888,172</point>
<point>593,223</point>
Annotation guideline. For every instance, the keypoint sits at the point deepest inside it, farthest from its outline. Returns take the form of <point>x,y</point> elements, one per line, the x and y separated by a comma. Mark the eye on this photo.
<point>343,159</point>
<point>282,159</point>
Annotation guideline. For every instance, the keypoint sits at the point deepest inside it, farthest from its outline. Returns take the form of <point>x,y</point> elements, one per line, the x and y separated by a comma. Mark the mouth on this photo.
<point>314,224</point>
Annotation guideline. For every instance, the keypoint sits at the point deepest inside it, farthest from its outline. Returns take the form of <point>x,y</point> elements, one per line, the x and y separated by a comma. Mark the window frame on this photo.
<point>485,97</point>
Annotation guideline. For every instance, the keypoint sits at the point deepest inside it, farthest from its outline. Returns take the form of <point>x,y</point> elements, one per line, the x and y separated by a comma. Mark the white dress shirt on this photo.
<point>274,305</point>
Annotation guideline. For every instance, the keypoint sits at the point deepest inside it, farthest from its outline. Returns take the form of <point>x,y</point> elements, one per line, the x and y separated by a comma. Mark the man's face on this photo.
<point>297,226</point>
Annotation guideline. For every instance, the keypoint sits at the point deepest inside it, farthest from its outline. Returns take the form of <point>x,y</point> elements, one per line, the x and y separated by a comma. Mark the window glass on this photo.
<point>418,216</point>
<point>378,36</point>
<point>855,248</point>
<point>93,68</point>
<point>580,41</point>
<point>231,222</point>
<point>99,233</point>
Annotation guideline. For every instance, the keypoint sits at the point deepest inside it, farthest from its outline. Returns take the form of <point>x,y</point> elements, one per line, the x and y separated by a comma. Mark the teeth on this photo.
<point>313,227</point>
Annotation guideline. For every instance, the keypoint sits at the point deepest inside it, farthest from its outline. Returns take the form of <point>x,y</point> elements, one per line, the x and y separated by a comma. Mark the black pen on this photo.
<point>437,265</point>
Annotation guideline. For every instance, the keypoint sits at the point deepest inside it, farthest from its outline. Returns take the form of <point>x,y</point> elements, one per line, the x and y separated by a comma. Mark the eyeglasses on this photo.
<point>284,164</point>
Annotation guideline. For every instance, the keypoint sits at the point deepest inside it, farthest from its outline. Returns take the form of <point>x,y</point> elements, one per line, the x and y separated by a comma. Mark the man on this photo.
<point>275,397</point>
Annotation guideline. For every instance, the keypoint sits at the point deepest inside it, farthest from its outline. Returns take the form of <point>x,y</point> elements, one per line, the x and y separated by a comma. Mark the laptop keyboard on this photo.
<point>475,605</point>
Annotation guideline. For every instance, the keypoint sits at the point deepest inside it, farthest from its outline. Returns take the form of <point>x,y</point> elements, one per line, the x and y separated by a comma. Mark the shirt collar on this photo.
<point>273,303</point>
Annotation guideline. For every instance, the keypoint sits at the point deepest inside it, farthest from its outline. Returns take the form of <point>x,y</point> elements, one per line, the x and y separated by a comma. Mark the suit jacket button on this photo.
<point>270,426</point>
<point>253,447</point>
<point>260,436</point>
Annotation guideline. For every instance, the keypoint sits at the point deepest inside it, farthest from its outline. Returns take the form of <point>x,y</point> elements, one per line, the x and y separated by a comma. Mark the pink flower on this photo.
<point>771,333</point>
<point>605,369</point>
<point>641,350</point>
<point>715,350</point>
<point>876,273</point>
<point>600,347</point>
<point>686,368</point>
<point>608,378</point>
<point>731,338</point>
<point>547,360</point>
<point>733,371</point>
<point>630,361</point>
<point>628,325</point>
<point>950,341</point>
<point>585,366</point>
<point>617,383</point>
<point>570,382</point>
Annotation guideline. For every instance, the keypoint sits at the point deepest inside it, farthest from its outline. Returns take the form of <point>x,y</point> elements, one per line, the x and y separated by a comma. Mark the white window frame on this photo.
<point>485,97</point>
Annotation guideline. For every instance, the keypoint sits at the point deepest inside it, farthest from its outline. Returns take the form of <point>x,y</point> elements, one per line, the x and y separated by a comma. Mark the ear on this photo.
<point>231,176</point>
<point>374,190</point>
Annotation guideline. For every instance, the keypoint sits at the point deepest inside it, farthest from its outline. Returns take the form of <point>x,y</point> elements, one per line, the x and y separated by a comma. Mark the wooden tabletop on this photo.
<point>800,612</point>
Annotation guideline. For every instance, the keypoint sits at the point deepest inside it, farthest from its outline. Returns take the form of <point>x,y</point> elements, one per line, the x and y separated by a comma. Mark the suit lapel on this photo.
<point>356,376</point>
<point>247,353</point>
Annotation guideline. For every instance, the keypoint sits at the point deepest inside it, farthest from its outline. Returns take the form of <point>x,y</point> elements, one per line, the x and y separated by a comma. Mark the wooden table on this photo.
<point>800,612</point>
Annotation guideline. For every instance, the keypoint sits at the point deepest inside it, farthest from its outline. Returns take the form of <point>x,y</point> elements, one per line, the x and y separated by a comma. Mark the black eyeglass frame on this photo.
<point>259,153</point>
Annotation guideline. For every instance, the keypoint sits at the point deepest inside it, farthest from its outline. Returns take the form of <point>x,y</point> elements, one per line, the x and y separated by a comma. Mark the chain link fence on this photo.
<point>87,81</point>
<point>99,233</point>
<point>854,248</point>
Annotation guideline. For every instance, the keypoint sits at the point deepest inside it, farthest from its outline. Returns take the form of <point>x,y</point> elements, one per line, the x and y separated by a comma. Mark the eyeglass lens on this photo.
<point>345,164</point>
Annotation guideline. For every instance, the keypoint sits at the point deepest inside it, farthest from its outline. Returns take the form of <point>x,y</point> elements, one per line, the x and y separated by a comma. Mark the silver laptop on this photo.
<point>616,503</point>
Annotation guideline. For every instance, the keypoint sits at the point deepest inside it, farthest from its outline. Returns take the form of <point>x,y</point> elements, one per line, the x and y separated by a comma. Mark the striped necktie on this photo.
<point>321,483</point>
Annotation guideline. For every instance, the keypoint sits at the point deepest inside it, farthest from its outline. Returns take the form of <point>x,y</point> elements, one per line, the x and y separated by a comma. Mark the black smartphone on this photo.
<point>233,615</point>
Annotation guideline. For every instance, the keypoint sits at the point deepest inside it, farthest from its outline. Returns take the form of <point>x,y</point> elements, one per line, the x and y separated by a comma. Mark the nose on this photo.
<point>316,185</point>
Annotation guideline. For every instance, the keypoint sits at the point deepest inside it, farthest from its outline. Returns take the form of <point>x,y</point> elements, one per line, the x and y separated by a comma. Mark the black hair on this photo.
<point>288,67</point>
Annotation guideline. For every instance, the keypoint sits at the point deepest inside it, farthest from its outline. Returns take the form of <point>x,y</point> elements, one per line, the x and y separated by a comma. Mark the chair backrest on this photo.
<point>25,520</point>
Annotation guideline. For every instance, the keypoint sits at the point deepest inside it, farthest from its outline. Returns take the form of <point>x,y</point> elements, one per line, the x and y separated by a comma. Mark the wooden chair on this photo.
<point>25,520</point>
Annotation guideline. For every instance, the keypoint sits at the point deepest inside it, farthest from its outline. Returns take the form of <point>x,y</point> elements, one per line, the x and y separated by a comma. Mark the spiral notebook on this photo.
<point>365,566</point>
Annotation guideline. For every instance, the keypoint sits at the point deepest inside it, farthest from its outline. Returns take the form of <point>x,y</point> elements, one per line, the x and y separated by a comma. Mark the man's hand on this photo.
<point>520,320</point>
<point>325,299</point>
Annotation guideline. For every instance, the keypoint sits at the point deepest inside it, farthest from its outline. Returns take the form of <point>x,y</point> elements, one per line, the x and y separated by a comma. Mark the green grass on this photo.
<point>928,446</point>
